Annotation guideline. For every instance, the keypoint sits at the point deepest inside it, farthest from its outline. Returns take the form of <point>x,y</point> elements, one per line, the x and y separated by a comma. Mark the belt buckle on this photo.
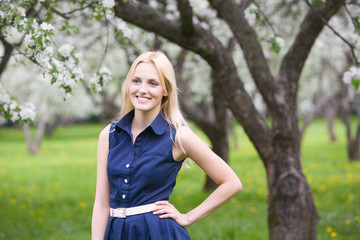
<point>119,212</point>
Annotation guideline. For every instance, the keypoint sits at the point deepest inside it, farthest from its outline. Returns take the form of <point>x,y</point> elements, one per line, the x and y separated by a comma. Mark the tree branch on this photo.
<point>310,29</point>
<point>204,119</point>
<point>9,48</point>
<point>7,54</point>
<point>254,56</point>
<point>186,14</point>
<point>351,46</point>
<point>54,10</point>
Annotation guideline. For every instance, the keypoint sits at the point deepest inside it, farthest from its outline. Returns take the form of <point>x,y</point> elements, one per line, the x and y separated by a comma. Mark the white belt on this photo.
<point>124,212</point>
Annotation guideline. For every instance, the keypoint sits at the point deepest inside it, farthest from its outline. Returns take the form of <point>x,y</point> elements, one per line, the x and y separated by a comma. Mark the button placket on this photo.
<point>125,187</point>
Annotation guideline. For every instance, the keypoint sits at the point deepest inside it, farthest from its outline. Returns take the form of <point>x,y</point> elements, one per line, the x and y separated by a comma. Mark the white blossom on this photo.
<point>102,77</point>
<point>65,50</point>
<point>105,70</point>
<point>108,3</point>
<point>43,60</point>
<point>79,73</point>
<point>353,73</point>
<point>280,41</point>
<point>4,97</point>
<point>13,105</point>
<point>22,11</point>
<point>347,77</point>
<point>15,116</point>
<point>27,111</point>
<point>46,26</point>
<point>250,14</point>
<point>122,26</point>
<point>2,15</point>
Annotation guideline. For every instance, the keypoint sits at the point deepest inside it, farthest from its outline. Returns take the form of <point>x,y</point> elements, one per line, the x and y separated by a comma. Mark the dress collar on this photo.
<point>158,126</point>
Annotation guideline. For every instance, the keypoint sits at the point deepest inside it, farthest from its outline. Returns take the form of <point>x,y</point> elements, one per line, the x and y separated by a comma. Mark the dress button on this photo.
<point>125,180</point>
<point>123,196</point>
<point>127,165</point>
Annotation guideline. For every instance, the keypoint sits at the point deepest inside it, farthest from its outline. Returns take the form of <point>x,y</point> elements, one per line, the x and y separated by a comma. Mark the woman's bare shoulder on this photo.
<point>105,132</point>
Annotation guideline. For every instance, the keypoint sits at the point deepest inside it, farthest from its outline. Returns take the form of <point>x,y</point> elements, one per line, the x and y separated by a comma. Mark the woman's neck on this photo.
<point>142,119</point>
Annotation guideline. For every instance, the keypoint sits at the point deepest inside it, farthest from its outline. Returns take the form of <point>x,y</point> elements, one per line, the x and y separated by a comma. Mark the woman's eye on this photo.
<point>136,81</point>
<point>153,83</point>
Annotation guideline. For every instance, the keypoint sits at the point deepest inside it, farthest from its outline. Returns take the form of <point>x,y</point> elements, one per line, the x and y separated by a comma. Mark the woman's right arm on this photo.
<point>101,210</point>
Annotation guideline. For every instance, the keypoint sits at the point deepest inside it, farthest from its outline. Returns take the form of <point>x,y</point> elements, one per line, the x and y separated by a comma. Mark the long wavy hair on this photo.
<point>170,103</point>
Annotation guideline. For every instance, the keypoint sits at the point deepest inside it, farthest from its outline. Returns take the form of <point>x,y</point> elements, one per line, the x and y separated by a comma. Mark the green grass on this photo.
<point>50,195</point>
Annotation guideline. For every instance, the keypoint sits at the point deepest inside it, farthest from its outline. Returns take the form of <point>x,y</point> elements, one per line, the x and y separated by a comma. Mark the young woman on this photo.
<point>140,156</point>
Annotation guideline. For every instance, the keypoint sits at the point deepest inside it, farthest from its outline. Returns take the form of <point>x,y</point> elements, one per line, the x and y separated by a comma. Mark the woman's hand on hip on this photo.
<point>169,211</point>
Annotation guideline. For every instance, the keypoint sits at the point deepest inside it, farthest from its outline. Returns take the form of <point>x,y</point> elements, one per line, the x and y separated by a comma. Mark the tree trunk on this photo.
<point>330,114</point>
<point>292,214</point>
<point>34,146</point>
<point>353,151</point>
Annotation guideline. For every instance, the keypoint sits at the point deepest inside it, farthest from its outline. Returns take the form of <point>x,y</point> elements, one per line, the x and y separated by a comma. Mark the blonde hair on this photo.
<point>170,103</point>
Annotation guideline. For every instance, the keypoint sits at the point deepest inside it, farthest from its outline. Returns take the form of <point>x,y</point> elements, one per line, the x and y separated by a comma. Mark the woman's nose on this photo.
<point>142,88</point>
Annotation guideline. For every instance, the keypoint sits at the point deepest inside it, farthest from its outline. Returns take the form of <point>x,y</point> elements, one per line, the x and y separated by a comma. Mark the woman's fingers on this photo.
<point>160,203</point>
<point>162,207</point>
<point>167,210</point>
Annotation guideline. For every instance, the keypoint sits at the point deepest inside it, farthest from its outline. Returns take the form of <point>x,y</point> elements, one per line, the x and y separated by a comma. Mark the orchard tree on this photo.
<point>40,32</point>
<point>291,212</point>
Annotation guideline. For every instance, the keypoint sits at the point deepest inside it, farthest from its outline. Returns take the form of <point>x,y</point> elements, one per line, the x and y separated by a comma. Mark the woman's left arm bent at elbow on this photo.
<point>226,179</point>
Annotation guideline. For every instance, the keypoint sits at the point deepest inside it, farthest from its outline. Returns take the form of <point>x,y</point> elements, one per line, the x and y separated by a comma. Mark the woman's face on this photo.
<point>146,91</point>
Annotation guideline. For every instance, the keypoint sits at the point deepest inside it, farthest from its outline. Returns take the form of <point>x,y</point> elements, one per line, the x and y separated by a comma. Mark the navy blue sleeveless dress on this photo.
<point>142,173</point>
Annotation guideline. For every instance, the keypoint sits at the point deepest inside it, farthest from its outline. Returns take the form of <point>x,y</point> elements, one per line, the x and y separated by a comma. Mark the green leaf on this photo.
<point>318,2</point>
<point>356,83</point>
<point>275,45</point>
<point>356,22</point>
<point>39,42</point>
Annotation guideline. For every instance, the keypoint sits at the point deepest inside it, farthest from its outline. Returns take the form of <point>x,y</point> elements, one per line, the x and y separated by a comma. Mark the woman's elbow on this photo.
<point>237,186</point>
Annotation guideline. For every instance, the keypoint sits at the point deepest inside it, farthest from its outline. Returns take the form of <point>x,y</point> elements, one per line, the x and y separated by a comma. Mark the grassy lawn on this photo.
<point>50,195</point>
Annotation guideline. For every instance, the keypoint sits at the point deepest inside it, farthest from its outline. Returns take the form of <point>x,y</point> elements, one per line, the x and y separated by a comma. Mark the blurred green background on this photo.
<point>50,195</point>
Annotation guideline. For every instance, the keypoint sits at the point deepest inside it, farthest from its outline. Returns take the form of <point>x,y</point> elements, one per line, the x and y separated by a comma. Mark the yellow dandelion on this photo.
<point>83,204</point>
<point>13,201</point>
<point>329,229</point>
<point>179,197</point>
<point>357,218</point>
<point>57,185</point>
<point>350,176</point>
<point>350,197</point>
<point>67,214</point>
<point>40,219</point>
<point>23,205</point>
<point>42,211</point>
<point>309,179</point>
<point>333,234</point>
<point>347,167</point>
<point>322,188</point>
<point>252,209</point>
<point>188,190</point>
<point>32,213</point>
<point>348,222</point>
